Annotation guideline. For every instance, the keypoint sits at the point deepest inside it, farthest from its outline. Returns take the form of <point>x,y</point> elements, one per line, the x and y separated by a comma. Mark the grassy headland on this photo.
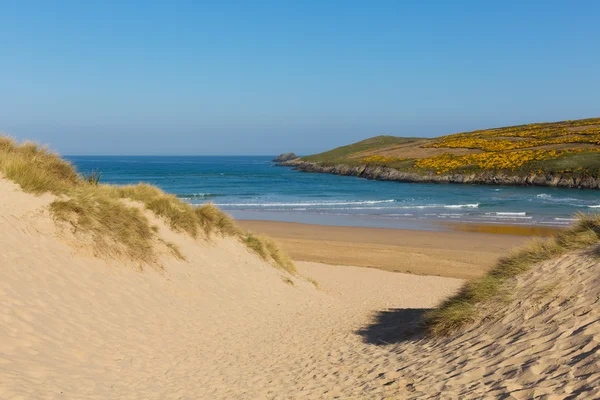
<point>102,213</point>
<point>566,149</point>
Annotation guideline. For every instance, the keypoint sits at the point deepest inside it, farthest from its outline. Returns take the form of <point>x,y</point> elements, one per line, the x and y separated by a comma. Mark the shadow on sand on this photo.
<point>394,326</point>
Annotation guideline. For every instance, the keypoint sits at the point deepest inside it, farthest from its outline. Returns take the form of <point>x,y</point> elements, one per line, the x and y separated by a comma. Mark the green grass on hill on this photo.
<point>101,212</point>
<point>564,147</point>
<point>341,154</point>
<point>572,163</point>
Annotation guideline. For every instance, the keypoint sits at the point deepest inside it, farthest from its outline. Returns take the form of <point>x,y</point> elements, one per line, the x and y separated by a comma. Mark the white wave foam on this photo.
<point>307,204</point>
<point>196,196</point>
<point>475,205</point>
<point>506,214</point>
<point>550,198</point>
<point>598,206</point>
<point>422,207</point>
<point>331,205</point>
<point>505,217</point>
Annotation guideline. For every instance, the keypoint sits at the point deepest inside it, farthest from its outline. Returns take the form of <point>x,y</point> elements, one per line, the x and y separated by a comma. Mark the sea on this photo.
<point>252,187</point>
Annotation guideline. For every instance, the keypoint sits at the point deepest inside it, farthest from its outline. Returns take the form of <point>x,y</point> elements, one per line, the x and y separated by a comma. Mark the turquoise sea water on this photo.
<point>253,188</point>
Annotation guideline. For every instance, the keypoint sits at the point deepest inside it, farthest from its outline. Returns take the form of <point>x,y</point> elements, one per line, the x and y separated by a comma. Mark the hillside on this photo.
<point>565,153</point>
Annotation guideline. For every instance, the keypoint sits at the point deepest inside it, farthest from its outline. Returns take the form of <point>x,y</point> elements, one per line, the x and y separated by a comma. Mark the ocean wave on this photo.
<point>197,196</point>
<point>506,214</point>
<point>504,217</point>
<point>419,207</point>
<point>412,207</point>
<point>307,204</point>
<point>596,206</point>
<point>474,205</point>
<point>357,205</point>
<point>551,199</point>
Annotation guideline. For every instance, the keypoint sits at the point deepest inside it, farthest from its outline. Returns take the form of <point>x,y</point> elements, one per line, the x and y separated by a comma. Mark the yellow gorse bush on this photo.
<point>524,136</point>
<point>381,160</point>
<point>513,147</point>
<point>492,160</point>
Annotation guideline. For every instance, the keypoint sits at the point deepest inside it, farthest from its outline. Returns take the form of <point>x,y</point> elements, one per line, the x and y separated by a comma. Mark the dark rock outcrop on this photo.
<point>484,178</point>
<point>285,157</point>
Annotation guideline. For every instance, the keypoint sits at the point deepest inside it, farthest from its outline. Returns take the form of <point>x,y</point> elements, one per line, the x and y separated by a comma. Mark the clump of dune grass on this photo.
<point>256,244</point>
<point>36,169</point>
<point>464,307</point>
<point>180,215</point>
<point>268,250</point>
<point>214,220</point>
<point>314,282</point>
<point>99,211</point>
<point>280,258</point>
<point>174,249</point>
<point>93,177</point>
<point>116,229</point>
<point>287,280</point>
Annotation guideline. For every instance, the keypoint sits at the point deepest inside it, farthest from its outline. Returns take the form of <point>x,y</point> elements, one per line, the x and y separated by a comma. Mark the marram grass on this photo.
<point>101,212</point>
<point>464,307</point>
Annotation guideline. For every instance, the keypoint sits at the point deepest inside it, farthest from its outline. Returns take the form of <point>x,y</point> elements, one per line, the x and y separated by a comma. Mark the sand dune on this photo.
<point>226,325</point>
<point>545,343</point>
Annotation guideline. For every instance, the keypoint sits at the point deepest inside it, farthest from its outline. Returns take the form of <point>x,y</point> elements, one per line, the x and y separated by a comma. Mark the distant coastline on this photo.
<point>563,154</point>
<point>383,173</point>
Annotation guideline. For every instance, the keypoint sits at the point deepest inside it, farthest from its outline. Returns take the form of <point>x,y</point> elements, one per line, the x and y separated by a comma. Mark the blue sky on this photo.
<point>264,77</point>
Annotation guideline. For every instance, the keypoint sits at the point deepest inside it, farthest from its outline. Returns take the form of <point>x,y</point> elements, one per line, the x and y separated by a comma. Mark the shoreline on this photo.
<point>521,226</point>
<point>382,173</point>
<point>454,253</point>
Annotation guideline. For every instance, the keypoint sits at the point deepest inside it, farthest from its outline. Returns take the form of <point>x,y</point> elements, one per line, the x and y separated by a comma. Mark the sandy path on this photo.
<point>123,336</point>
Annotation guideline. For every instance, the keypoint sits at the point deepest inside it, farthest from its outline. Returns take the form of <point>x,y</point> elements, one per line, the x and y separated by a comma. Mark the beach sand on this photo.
<point>224,324</point>
<point>453,254</point>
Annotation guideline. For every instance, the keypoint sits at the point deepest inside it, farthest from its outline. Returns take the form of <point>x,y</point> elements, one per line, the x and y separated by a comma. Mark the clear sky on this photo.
<point>265,77</point>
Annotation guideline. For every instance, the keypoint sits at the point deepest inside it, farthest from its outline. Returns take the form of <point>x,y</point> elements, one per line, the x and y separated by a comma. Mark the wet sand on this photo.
<point>452,254</point>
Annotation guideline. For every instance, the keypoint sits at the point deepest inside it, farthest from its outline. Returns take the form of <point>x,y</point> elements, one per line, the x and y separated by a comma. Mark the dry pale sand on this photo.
<point>225,325</point>
<point>452,254</point>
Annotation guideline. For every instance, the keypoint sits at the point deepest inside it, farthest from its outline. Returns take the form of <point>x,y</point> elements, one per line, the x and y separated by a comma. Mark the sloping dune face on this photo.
<point>544,343</point>
<point>72,325</point>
